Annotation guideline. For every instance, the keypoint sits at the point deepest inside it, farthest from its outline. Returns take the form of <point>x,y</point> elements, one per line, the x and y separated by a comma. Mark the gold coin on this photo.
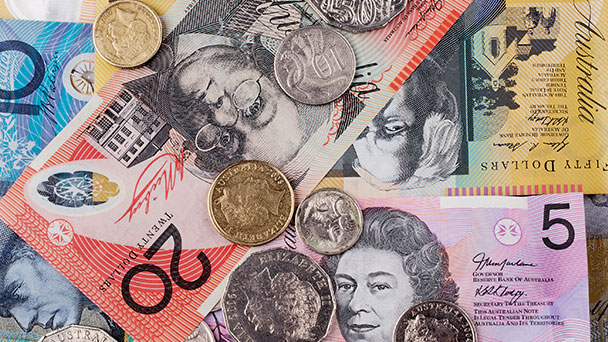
<point>127,33</point>
<point>251,203</point>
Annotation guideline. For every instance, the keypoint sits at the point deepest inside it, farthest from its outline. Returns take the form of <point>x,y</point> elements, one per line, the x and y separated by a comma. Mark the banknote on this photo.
<point>596,214</point>
<point>82,11</point>
<point>117,202</point>
<point>516,109</point>
<point>516,265</point>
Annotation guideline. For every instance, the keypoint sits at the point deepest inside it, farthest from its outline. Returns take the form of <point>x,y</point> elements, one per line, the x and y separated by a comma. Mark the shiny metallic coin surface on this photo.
<point>77,333</point>
<point>202,333</point>
<point>315,65</point>
<point>278,295</point>
<point>329,221</point>
<point>435,321</point>
<point>251,203</point>
<point>127,33</point>
<point>358,15</point>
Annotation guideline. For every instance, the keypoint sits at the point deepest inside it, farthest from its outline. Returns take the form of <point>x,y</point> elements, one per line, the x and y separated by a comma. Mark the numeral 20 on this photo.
<point>172,232</point>
<point>34,83</point>
<point>549,222</point>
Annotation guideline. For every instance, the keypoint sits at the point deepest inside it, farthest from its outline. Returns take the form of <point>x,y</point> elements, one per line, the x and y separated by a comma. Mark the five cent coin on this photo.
<point>127,33</point>
<point>434,321</point>
<point>202,333</point>
<point>329,221</point>
<point>251,203</point>
<point>278,295</point>
<point>315,65</point>
<point>77,333</point>
<point>357,15</point>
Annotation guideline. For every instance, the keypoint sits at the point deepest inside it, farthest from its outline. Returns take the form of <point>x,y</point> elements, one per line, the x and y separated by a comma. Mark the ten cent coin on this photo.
<point>251,203</point>
<point>127,33</point>
<point>434,321</point>
<point>278,295</point>
<point>329,221</point>
<point>357,15</point>
<point>315,65</point>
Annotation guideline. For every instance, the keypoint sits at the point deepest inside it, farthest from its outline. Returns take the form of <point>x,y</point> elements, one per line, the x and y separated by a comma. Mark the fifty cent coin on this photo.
<point>77,333</point>
<point>278,295</point>
<point>435,321</point>
<point>329,221</point>
<point>202,333</point>
<point>251,202</point>
<point>315,65</point>
<point>127,33</point>
<point>357,15</point>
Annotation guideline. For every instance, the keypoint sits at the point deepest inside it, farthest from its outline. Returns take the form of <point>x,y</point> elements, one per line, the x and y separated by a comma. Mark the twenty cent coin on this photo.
<point>127,33</point>
<point>202,333</point>
<point>278,295</point>
<point>251,202</point>
<point>315,65</point>
<point>357,15</point>
<point>434,321</point>
<point>77,333</point>
<point>329,221</point>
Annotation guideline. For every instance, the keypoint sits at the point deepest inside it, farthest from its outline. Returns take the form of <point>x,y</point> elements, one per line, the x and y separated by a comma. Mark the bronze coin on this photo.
<point>251,203</point>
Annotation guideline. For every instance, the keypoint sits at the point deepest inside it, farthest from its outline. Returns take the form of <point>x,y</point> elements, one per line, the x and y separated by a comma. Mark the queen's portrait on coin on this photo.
<point>415,139</point>
<point>396,263</point>
<point>225,100</point>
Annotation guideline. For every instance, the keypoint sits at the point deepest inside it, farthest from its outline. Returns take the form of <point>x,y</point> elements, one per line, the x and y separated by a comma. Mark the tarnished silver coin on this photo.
<point>77,333</point>
<point>278,295</point>
<point>202,333</point>
<point>435,321</point>
<point>357,15</point>
<point>315,65</point>
<point>329,221</point>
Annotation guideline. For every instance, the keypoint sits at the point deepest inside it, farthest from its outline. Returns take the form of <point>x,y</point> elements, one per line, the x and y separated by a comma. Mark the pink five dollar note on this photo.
<point>517,266</point>
<point>118,202</point>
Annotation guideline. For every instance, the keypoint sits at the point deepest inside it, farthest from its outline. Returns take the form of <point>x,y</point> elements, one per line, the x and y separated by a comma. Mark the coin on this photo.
<point>329,221</point>
<point>315,65</point>
<point>251,202</point>
<point>434,321</point>
<point>127,33</point>
<point>202,333</point>
<point>278,295</point>
<point>357,15</point>
<point>77,333</point>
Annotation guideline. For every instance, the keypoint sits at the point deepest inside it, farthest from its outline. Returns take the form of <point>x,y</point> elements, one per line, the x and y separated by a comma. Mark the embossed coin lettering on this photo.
<point>278,295</point>
<point>315,65</point>
<point>251,203</point>
<point>77,333</point>
<point>358,15</point>
<point>127,33</point>
<point>329,221</point>
<point>435,321</point>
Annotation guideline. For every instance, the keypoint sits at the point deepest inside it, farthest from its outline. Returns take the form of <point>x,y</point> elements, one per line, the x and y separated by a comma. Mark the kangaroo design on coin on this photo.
<point>315,65</point>
<point>278,295</point>
<point>127,33</point>
<point>329,221</point>
<point>358,15</point>
<point>434,321</point>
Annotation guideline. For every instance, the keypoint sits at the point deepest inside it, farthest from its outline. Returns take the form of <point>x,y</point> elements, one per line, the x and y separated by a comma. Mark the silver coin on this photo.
<point>329,221</point>
<point>315,65</point>
<point>357,15</point>
<point>202,333</point>
<point>278,295</point>
<point>435,321</point>
<point>77,333</point>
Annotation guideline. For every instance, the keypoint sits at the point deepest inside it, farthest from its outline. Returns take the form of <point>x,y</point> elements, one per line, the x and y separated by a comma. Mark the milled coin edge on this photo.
<point>116,3</point>
<point>329,252</point>
<point>292,200</point>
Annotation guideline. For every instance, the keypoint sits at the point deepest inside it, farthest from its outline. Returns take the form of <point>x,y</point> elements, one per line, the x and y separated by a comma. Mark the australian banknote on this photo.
<point>515,108</point>
<point>596,216</point>
<point>517,266</point>
<point>119,198</point>
<point>49,10</point>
